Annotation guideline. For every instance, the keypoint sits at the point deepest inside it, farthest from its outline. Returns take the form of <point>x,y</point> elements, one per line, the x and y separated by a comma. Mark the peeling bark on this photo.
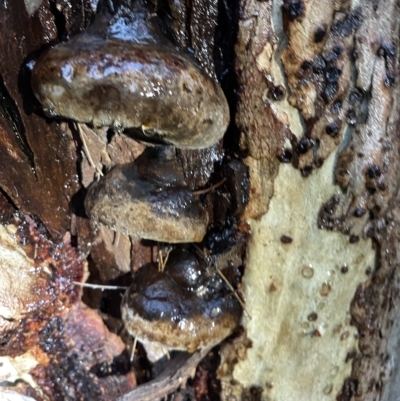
<point>319,326</point>
<point>313,88</point>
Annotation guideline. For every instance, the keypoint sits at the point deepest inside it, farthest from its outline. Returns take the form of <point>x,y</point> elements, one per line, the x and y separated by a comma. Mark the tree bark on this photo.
<point>313,89</point>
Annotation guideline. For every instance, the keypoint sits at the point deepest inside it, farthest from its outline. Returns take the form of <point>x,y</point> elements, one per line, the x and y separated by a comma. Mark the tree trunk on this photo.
<point>313,90</point>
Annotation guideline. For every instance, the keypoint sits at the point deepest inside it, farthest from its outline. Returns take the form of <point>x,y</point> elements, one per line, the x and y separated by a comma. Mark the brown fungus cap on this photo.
<point>160,308</point>
<point>123,84</point>
<point>146,205</point>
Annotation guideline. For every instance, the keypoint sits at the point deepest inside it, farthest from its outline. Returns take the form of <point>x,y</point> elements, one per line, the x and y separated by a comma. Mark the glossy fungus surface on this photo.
<point>131,203</point>
<point>123,84</point>
<point>178,308</point>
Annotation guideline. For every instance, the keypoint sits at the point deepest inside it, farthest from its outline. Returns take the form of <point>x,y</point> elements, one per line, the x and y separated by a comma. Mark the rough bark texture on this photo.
<point>341,67</point>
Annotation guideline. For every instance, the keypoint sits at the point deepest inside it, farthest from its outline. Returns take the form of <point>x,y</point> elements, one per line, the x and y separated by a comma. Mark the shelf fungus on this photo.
<point>148,199</point>
<point>122,73</point>
<point>184,307</point>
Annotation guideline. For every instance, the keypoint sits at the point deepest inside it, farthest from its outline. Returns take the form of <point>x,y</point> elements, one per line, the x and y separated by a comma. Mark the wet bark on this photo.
<point>313,89</point>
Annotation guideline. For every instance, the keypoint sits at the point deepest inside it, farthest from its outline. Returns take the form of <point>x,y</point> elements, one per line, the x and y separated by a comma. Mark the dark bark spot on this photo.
<point>349,24</point>
<point>293,9</point>
<point>332,129</point>
<point>286,239</point>
<point>353,239</point>
<point>330,91</point>
<point>359,212</point>
<point>312,317</point>
<point>277,93</point>
<point>389,80</point>
<point>348,390</point>
<point>332,74</point>
<point>319,64</point>
<point>354,96</point>
<point>319,33</point>
<point>286,157</point>
<point>306,171</point>
<point>351,117</point>
<point>334,54</point>
<point>373,171</point>
<point>344,269</point>
<point>336,107</point>
<point>304,145</point>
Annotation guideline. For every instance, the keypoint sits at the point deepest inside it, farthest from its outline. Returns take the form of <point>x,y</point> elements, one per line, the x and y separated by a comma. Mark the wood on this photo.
<point>175,375</point>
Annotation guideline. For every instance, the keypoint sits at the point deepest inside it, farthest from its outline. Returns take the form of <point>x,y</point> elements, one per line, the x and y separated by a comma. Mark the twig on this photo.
<point>161,261</point>
<point>167,354</point>
<point>174,376</point>
<point>100,286</point>
<point>82,135</point>
<point>206,190</point>
<point>233,291</point>
<point>116,238</point>
<point>133,348</point>
<point>201,251</point>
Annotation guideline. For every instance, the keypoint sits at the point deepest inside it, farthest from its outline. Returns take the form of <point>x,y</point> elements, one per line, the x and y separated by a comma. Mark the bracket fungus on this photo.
<point>124,74</point>
<point>185,307</point>
<point>148,198</point>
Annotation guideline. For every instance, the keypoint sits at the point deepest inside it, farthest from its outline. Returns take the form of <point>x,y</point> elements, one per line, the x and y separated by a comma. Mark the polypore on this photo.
<point>185,307</point>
